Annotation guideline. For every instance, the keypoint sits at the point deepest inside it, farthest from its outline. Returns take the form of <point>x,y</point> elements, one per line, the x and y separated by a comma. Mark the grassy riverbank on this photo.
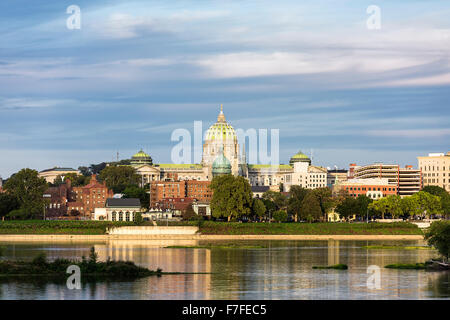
<point>215,228</point>
<point>58,227</point>
<point>233,228</point>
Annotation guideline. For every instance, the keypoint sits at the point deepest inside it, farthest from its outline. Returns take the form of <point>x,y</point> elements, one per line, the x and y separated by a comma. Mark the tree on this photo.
<point>139,193</point>
<point>118,178</point>
<point>28,188</point>
<point>97,168</point>
<point>232,197</point>
<point>77,180</point>
<point>279,199</point>
<point>189,213</point>
<point>347,207</point>
<point>310,209</point>
<point>280,215</point>
<point>380,206</point>
<point>394,205</point>
<point>138,220</point>
<point>363,203</point>
<point>408,205</point>
<point>426,204</point>
<point>8,203</point>
<point>441,193</point>
<point>438,236</point>
<point>85,171</point>
<point>258,208</point>
<point>296,196</point>
<point>325,200</point>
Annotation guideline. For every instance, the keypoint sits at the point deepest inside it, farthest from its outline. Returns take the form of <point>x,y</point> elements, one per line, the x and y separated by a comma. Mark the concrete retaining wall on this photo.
<point>152,230</point>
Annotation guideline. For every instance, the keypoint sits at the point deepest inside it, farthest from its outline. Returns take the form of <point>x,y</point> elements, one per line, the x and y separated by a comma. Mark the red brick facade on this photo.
<point>66,199</point>
<point>193,189</point>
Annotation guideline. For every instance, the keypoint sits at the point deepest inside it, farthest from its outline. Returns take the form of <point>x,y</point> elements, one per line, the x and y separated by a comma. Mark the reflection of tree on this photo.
<point>439,284</point>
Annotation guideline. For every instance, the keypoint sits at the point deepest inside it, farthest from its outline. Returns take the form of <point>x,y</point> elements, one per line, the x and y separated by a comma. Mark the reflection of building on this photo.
<point>436,170</point>
<point>118,209</point>
<point>407,180</point>
<point>373,188</point>
<point>152,254</point>
<point>51,174</point>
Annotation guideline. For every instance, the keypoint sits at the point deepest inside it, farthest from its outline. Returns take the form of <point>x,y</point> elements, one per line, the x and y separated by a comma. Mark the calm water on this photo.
<point>280,270</point>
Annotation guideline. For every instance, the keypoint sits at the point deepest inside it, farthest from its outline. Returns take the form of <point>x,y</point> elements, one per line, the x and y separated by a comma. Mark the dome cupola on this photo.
<point>299,157</point>
<point>221,165</point>
<point>141,158</point>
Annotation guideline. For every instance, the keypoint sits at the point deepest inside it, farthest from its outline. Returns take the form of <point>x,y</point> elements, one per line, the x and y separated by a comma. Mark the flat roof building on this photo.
<point>435,170</point>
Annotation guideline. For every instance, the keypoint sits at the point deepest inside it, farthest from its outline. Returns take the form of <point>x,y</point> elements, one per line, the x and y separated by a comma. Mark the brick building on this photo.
<point>194,189</point>
<point>66,199</point>
<point>374,188</point>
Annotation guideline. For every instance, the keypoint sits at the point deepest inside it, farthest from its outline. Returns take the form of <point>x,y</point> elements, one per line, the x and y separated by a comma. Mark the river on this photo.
<point>265,270</point>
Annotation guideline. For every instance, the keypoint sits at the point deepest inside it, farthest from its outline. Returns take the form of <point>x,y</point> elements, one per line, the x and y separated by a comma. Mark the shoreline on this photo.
<point>78,238</point>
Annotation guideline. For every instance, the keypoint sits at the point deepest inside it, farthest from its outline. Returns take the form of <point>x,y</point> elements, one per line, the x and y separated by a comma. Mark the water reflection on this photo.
<point>273,270</point>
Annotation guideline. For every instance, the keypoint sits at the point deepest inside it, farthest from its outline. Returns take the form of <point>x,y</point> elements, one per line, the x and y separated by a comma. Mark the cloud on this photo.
<point>410,133</point>
<point>251,64</point>
<point>31,103</point>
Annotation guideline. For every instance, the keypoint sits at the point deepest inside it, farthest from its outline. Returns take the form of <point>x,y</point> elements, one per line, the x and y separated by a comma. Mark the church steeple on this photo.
<point>221,116</point>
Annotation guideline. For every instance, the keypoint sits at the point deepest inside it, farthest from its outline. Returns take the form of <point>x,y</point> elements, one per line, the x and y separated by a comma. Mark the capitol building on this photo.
<point>222,155</point>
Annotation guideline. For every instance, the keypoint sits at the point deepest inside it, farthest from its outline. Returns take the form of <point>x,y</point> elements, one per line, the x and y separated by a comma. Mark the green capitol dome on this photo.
<point>299,157</point>
<point>221,165</point>
<point>221,130</point>
<point>141,158</point>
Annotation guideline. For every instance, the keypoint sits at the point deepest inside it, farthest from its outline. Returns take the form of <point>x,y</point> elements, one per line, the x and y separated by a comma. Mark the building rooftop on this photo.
<point>123,203</point>
<point>59,169</point>
<point>260,188</point>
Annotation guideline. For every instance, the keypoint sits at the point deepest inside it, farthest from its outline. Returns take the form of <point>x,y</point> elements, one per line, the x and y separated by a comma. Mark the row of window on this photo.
<point>370,189</point>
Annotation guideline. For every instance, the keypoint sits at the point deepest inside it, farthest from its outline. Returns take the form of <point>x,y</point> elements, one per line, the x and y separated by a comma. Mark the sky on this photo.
<point>137,70</point>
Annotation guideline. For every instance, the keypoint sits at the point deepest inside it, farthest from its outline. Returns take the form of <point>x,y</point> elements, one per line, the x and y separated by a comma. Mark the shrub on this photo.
<point>40,259</point>
<point>439,236</point>
<point>280,216</point>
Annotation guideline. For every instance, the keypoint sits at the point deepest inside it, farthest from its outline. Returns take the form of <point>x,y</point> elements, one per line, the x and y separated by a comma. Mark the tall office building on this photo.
<point>436,170</point>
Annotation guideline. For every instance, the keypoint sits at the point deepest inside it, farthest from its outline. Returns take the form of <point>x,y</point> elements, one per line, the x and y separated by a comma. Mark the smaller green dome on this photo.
<point>221,165</point>
<point>141,158</point>
<point>299,157</point>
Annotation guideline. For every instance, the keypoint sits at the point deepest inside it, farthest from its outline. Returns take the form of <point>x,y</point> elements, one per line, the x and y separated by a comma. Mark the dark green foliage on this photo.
<point>139,193</point>
<point>40,266</point>
<point>443,195</point>
<point>58,227</point>
<point>232,197</point>
<point>438,236</point>
<point>119,178</point>
<point>310,209</point>
<point>138,220</point>
<point>347,207</point>
<point>8,203</point>
<point>280,216</point>
<point>28,188</point>
<point>296,196</point>
<point>258,208</point>
<point>327,228</point>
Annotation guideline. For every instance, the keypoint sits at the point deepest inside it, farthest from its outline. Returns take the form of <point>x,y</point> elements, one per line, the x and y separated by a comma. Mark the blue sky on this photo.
<point>137,70</point>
